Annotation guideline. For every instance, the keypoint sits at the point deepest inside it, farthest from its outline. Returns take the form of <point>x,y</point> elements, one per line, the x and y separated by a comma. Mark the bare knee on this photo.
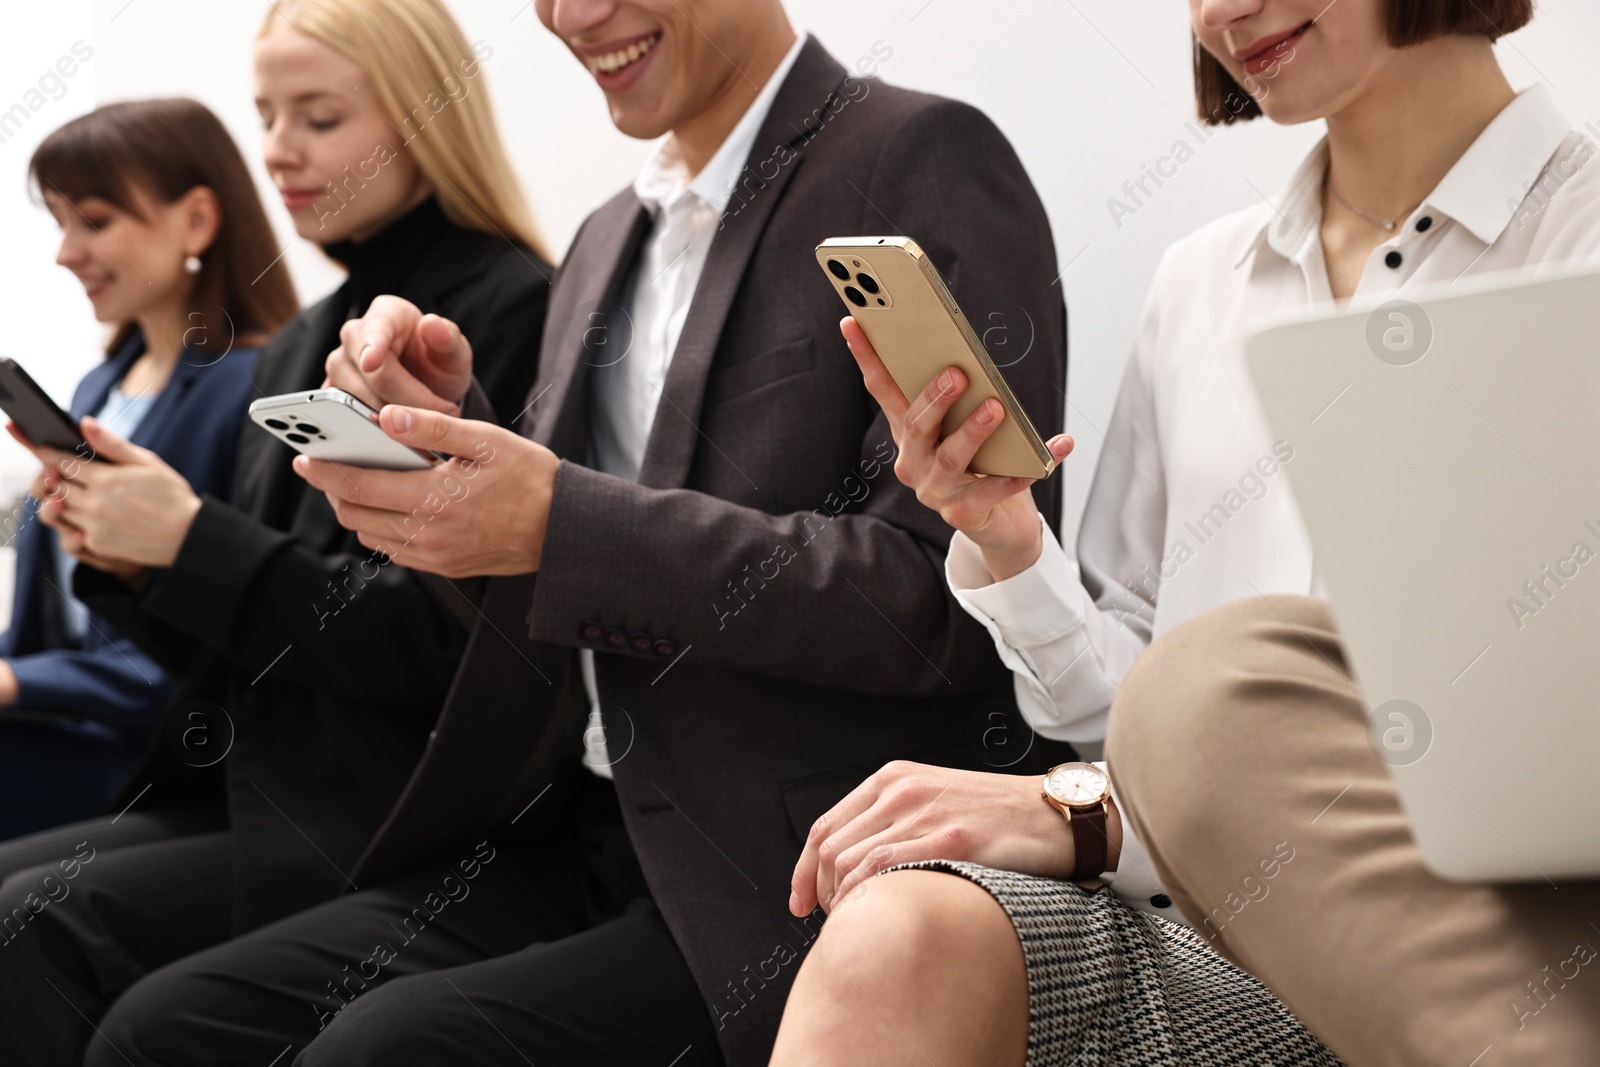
<point>932,952</point>
<point>908,919</point>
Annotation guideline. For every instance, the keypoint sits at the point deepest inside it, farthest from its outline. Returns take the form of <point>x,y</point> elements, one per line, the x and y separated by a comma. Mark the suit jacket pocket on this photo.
<point>789,360</point>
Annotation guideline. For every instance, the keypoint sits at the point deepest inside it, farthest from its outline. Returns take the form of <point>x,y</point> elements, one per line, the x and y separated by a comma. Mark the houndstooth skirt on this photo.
<point>1109,986</point>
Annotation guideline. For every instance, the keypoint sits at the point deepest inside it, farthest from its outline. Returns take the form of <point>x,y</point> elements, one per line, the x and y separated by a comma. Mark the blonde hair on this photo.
<point>415,53</point>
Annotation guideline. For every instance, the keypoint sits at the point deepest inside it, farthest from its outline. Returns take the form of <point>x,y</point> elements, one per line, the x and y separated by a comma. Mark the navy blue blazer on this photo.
<point>193,424</point>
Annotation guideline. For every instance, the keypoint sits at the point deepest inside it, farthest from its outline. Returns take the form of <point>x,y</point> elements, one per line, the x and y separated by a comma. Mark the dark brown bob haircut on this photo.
<point>166,148</point>
<point>1223,101</point>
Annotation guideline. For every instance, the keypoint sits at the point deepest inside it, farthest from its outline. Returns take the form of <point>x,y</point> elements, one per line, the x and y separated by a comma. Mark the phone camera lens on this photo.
<point>868,282</point>
<point>277,424</point>
<point>840,271</point>
<point>306,427</point>
<point>855,296</point>
<point>298,438</point>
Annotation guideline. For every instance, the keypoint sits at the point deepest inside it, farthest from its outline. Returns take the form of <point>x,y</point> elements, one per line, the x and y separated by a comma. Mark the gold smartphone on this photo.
<point>897,296</point>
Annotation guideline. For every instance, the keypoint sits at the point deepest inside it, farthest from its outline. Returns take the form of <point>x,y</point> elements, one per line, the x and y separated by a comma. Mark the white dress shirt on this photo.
<point>1190,507</point>
<point>624,395</point>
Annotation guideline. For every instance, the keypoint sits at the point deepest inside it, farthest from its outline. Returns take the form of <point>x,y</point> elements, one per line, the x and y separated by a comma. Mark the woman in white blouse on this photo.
<point>1433,168</point>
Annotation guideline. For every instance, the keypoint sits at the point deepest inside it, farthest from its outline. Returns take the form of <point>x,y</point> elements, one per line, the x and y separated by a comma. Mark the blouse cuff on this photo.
<point>1029,608</point>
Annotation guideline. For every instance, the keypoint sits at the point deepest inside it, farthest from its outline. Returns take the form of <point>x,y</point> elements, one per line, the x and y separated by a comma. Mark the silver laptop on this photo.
<point>1447,466</point>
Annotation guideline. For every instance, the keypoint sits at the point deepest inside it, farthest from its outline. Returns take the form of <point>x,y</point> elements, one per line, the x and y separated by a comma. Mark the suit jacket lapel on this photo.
<point>105,378</point>
<point>155,427</point>
<point>813,79</point>
<point>584,326</point>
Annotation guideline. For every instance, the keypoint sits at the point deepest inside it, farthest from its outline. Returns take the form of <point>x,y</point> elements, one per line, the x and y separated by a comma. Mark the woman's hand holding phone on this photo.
<point>121,516</point>
<point>998,514</point>
<point>50,489</point>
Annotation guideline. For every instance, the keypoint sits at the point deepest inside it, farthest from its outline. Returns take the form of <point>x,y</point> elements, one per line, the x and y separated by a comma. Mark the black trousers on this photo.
<point>509,954</point>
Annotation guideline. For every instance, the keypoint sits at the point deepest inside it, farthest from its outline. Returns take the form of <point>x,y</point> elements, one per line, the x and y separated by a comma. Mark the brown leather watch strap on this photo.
<point>1089,841</point>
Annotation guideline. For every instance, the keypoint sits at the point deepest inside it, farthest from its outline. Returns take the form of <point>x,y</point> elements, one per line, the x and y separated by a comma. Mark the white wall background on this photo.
<point>1087,90</point>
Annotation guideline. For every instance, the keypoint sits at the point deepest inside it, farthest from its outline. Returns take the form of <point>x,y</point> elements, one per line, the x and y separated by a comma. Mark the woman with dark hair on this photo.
<point>1242,795</point>
<point>160,221</point>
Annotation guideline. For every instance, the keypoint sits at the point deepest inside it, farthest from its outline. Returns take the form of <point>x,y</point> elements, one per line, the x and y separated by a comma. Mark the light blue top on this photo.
<point>122,415</point>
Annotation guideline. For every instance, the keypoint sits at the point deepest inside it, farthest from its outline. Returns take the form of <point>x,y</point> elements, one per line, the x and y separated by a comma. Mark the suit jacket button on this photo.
<point>666,648</point>
<point>640,641</point>
<point>590,631</point>
<point>615,637</point>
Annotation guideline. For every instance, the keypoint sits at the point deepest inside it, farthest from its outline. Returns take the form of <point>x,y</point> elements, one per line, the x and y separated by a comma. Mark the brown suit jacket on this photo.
<point>768,602</point>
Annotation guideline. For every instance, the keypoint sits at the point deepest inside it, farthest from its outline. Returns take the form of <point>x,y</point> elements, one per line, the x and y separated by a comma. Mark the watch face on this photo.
<point>1077,784</point>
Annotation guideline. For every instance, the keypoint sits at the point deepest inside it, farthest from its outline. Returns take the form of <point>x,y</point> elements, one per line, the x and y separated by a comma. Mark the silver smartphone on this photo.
<point>332,425</point>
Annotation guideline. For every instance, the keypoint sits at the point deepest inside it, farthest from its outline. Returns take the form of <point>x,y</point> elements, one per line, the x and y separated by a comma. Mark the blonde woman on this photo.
<point>309,669</point>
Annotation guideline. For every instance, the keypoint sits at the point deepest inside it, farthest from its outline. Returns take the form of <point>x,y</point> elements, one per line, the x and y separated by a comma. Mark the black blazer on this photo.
<point>768,601</point>
<point>329,665</point>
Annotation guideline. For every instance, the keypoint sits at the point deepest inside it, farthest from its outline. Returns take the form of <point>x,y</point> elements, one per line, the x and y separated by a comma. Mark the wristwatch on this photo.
<point>1080,792</point>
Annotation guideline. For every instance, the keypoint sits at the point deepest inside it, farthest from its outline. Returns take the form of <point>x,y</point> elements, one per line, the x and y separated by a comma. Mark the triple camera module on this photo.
<point>300,433</point>
<point>860,287</point>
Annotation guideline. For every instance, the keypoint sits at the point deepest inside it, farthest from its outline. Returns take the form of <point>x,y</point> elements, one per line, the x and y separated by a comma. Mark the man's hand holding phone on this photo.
<point>394,354</point>
<point>487,508</point>
<point>997,513</point>
<point>483,512</point>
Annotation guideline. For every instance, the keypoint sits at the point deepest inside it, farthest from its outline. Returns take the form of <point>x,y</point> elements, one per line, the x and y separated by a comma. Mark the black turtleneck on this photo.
<point>385,261</point>
<point>499,287</point>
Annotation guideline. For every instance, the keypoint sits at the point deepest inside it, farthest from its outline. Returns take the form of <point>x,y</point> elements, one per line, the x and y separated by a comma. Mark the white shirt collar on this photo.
<point>664,179</point>
<point>1491,180</point>
<point>1482,192</point>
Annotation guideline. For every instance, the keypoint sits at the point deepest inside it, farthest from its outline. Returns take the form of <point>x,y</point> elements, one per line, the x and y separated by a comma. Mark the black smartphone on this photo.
<point>39,418</point>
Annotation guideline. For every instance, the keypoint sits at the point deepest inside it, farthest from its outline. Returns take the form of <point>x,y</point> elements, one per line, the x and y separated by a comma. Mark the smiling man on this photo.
<point>715,609</point>
<point>700,537</point>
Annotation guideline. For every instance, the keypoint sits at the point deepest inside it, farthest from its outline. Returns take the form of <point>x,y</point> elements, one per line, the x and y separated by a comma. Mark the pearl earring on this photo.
<point>192,264</point>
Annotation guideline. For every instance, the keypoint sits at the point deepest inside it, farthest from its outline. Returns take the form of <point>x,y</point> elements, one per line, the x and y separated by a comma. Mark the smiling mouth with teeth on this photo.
<point>616,62</point>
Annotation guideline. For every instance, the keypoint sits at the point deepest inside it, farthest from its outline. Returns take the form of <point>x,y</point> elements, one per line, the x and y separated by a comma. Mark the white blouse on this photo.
<point>1190,508</point>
